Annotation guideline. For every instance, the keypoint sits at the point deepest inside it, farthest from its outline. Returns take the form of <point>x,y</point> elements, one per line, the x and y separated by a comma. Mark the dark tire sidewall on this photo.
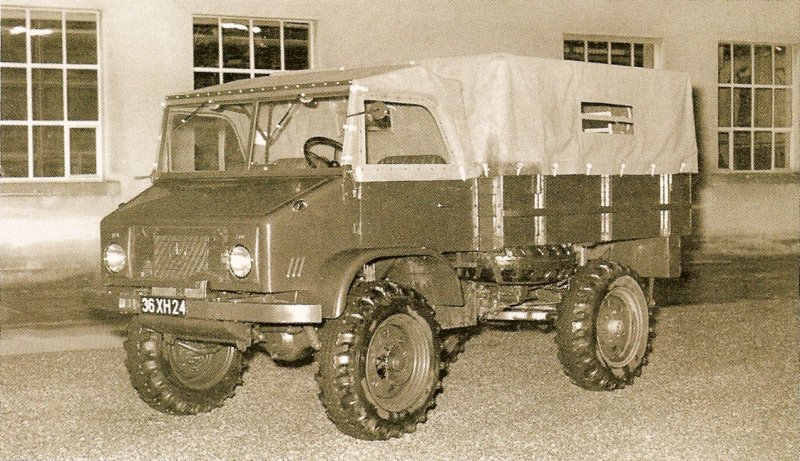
<point>576,327</point>
<point>153,375</point>
<point>343,389</point>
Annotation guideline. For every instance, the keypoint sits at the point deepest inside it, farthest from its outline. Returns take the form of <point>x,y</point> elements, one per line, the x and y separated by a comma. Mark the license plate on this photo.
<point>163,306</point>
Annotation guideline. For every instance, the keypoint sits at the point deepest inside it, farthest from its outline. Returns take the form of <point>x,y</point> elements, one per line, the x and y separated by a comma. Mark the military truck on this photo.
<point>371,217</point>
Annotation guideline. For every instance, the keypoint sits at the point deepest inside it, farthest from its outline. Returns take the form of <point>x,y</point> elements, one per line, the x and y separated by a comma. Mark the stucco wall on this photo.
<point>146,53</point>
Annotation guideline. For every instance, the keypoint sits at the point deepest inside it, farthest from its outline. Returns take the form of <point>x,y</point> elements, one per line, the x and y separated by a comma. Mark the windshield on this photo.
<point>285,129</point>
<point>217,137</point>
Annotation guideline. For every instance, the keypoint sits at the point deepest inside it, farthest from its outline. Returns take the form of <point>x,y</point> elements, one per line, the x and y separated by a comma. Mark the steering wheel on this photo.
<point>317,161</point>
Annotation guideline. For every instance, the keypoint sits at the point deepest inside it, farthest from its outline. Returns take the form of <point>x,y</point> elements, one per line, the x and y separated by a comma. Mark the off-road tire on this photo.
<point>387,335</point>
<point>174,379</point>
<point>603,327</point>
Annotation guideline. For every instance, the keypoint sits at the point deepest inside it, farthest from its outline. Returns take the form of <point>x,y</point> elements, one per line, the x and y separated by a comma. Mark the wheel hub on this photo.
<point>398,361</point>
<point>619,327</point>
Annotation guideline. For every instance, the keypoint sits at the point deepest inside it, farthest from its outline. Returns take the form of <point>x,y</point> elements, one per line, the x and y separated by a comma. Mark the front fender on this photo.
<point>336,275</point>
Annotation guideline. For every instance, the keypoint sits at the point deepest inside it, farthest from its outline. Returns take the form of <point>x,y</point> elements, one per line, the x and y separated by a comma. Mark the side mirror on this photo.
<point>378,110</point>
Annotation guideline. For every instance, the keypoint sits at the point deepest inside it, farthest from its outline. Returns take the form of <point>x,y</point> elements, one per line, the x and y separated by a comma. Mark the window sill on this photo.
<point>57,189</point>
<point>764,177</point>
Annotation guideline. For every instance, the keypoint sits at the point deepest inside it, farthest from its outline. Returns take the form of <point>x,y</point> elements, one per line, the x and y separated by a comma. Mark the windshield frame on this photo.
<point>162,169</point>
<point>190,111</point>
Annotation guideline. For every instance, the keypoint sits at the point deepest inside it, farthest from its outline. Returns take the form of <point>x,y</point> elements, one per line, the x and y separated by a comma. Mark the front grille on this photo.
<point>179,256</point>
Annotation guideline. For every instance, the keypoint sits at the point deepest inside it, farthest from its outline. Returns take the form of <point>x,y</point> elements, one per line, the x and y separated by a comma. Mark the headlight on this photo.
<point>240,261</point>
<point>115,258</point>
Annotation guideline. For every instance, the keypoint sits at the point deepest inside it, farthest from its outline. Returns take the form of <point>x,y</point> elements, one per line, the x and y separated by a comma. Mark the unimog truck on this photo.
<point>371,218</point>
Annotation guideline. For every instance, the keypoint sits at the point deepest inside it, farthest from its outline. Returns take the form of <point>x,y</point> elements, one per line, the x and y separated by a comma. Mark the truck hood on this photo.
<point>176,200</point>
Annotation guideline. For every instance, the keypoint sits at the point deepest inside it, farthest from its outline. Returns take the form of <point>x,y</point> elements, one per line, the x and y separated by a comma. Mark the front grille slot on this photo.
<point>179,256</point>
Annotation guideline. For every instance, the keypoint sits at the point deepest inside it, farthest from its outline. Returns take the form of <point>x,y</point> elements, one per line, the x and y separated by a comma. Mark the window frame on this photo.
<point>251,71</point>
<point>387,172</point>
<point>731,129</point>
<point>65,123</point>
<point>586,38</point>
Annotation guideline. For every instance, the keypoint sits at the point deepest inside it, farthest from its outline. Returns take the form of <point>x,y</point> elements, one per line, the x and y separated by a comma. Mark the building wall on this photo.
<point>49,229</point>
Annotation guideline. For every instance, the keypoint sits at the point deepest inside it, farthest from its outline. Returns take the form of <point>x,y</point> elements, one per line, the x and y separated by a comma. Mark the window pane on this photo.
<point>763,61</point>
<point>13,151</point>
<point>12,23</point>
<point>267,45</point>
<point>724,151</point>
<point>232,77</point>
<point>741,106</point>
<point>621,54</point>
<point>741,64</point>
<point>81,38</point>
<point>724,63</point>
<point>783,65</point>
<point>741,150</point>
<point>573,50</point>
<point>82,94</point>
<point>47,94</point>
<point>204,79</point>
<point>235,43</point>
<point>763,108</point>
<point>781,148</point>
<point>638,55</point>
<point>13,96</point>
<point>48,151</point>
<point>295,42</point>
<point>724,107</point>
<point>762,150</point>
<point>206,42</point>
<point>46,37</point>
<point>408,135</point>
<point>598,52</point>
<point>82,151</point>
<point>783,107</point>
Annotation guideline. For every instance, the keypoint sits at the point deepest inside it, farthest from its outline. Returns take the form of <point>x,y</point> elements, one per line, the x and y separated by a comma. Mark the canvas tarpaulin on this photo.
<point>515,114</point>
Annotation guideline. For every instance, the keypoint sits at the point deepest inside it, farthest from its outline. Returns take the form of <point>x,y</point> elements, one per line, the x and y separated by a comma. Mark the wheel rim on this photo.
<point>622,324</point>
<point>198,365</point>
<point>399,363</point>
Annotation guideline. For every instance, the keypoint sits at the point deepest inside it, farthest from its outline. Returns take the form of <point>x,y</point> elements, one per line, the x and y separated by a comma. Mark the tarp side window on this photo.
<point>598,117</point>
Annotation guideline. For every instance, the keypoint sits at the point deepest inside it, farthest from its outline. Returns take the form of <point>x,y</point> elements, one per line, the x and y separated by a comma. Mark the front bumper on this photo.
<point>249,310</point>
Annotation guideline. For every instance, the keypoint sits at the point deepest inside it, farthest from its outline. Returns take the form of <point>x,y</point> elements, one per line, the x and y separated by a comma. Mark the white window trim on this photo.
<point>658,61</point>
<point>65,123</point>
<point>252,72</point>
<point>792,162</point>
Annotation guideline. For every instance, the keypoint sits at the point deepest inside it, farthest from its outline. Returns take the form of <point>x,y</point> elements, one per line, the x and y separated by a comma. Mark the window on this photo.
<point>402,134</point>
<point>208,137</point>
<point>49,88</point>
<point>600,117</point>
<point>618,51</point>
<point>228,49</point>
<point>754,106</point>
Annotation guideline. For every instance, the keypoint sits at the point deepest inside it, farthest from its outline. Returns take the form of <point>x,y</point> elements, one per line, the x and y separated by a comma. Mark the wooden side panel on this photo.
<point>635,207</point>
<point>572,204</point>
<point>573,194</point>
<point>681,204</point>
<point>575,209</point>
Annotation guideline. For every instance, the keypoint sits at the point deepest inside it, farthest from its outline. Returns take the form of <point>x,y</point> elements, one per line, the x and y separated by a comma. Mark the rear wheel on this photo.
<point>603,327</point>
<point>181,377</point>
<point>380,362</point>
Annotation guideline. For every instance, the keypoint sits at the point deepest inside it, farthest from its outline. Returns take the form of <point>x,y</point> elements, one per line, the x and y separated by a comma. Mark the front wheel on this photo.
<point>181,377</point>
<point>603,327</point>
<point>380,362</point>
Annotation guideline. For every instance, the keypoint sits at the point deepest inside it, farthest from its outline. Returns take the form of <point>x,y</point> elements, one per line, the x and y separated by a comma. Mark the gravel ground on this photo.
<point>722,384</point>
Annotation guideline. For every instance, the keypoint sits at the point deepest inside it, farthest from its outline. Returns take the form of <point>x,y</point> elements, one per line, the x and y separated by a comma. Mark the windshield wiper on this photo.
<point>280,126</point>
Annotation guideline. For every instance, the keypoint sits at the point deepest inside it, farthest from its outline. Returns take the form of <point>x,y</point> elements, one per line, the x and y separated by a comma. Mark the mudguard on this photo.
<point>334,278</point>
